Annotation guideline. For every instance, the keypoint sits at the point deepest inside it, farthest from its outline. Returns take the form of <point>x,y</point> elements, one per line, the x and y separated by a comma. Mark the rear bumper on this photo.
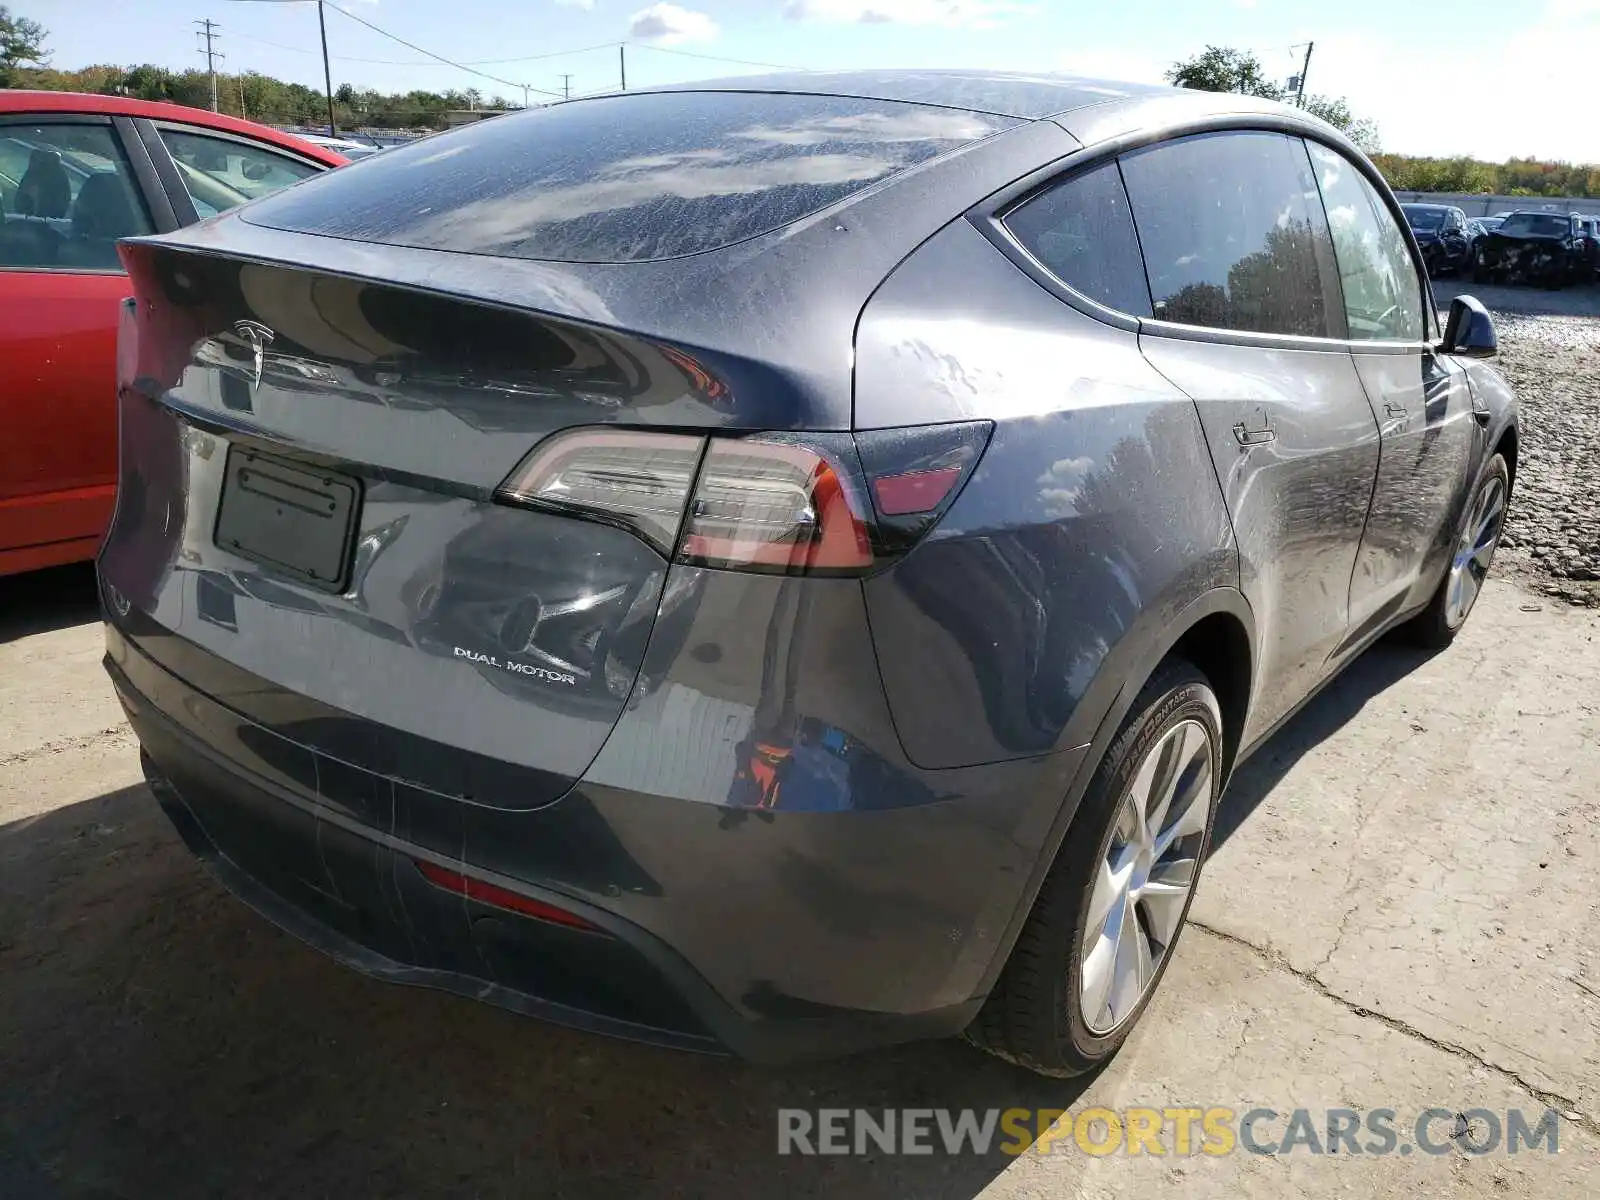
<point>816,911</point>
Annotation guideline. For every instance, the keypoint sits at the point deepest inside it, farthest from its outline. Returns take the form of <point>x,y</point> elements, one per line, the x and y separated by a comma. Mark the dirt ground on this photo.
<point>1401,912</point>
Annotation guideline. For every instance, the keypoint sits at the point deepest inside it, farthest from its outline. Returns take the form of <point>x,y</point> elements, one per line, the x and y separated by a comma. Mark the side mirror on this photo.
<point>1470,330</point>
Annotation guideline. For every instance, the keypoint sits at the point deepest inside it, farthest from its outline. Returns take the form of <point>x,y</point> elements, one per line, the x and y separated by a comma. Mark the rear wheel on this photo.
<point>1482,520</point>
<point>1103,927</point>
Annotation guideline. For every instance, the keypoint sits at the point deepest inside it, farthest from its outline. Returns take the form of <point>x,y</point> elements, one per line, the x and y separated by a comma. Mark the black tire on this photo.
<point>1432,628</point>
<point>1034,1017</point>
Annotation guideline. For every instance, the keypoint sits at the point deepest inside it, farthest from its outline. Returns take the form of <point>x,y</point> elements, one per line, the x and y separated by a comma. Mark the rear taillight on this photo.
<point>790,504</point>
<point>621,476</point>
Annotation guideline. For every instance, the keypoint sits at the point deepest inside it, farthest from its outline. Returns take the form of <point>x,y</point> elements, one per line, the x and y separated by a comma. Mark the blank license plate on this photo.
<point>298,520</point>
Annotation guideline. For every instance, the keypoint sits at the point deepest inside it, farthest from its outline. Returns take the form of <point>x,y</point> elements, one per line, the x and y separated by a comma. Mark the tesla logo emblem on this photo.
<point>259,338</point>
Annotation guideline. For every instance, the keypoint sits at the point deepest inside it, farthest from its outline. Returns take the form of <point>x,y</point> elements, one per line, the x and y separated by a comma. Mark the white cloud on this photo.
<point>1059,486</point>
<point>952,14</point>
<point>912,125</point>
<point>1114,63</point>
<point>670,25</point>
<point>631,183</point>
<point>1554,120</point>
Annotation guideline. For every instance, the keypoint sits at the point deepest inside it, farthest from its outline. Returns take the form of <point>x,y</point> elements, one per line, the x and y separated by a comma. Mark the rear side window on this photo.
<point>1082,232</point>
<point>1382,294</point>
<point>1234,235</point>
<point>625,178</point>
<point>220,172</point>
<point>66,196</point>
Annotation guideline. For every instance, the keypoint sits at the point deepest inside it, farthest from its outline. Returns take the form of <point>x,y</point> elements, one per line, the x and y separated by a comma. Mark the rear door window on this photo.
<point>626,178</point>
<point>1382,291</point>
<point>219,172</point>
<point>1234,235</point>
<point>1081,231</point>
<point>66,196</point>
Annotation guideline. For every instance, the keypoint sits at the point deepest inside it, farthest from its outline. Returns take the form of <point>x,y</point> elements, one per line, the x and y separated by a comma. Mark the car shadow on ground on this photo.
<point>42,601</point>
<point>1384,664</point>
<point>158,1038</point>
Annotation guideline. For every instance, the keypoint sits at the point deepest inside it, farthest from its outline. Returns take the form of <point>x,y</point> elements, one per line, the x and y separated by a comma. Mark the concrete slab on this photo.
<point>1436,857</point>
<point>1375,930</point>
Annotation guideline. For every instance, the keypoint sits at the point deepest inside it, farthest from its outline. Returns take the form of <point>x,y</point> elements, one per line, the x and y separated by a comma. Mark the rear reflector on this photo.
<point>914,492</point>
<point>489,893</point>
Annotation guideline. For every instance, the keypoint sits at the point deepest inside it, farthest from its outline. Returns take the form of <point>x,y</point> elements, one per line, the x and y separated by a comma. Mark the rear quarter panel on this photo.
<point>1093,520</point>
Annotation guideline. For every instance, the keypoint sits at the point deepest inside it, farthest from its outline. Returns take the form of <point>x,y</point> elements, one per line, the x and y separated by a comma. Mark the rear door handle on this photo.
<point>1246,436</point>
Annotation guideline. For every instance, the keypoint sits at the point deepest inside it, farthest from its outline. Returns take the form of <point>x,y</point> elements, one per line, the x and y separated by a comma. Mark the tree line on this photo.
<point>262,98</point>
<point>24,63</point>
<point>1224,69</point>
<point>258,97</point>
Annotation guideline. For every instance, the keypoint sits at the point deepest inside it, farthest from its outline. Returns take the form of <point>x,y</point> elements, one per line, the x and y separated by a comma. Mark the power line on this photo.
<point>743,62</point>
<point>449,62</point>
<point>208,34</point>
<point>428,62</point>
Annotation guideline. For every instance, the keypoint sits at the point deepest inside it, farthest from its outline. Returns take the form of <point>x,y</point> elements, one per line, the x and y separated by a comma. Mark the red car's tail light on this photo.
<point>493,894</point>
<point>790,504</point>
<point>781,506</point>
<point>621,476</point>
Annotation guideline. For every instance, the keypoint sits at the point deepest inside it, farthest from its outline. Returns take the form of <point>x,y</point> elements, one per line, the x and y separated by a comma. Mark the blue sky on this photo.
<point>1470,76</point>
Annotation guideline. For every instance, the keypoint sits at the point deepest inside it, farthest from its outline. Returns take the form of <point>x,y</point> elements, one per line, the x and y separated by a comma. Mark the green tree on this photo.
<point>1224,69</point>
<point>21,41</point>
<point>1336,112</point>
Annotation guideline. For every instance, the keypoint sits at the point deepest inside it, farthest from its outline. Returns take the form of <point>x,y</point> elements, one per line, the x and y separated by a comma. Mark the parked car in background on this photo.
<point>1441,231</point>
<point>787,564</point>
<point>1487,224</point>
<point>350,149</point>
<point>77,172</point>
<point>1548,249</point>
<point>1589,230</point>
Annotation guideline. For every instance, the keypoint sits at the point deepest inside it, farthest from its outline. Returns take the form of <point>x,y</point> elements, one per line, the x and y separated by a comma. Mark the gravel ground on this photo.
<point>1550,352</point>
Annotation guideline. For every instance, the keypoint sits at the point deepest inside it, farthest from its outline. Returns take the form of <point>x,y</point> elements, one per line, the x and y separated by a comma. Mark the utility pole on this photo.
<point>622,62</point>
<point>242,111</point>
<point>566,87</point>
<point>1300,92</point>
<point>208,34</point>
<point>327,73</point>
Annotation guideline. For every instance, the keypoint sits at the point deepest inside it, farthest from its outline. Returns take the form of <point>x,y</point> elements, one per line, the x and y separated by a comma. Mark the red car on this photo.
<point>77,172</point>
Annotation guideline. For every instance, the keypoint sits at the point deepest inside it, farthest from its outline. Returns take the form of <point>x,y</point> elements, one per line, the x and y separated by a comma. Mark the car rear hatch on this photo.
<point>358,416</point>
<point>309,472</point>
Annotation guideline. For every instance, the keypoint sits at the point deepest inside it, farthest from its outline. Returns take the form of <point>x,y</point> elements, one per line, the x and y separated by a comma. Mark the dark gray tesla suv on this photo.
<point>786,565</point>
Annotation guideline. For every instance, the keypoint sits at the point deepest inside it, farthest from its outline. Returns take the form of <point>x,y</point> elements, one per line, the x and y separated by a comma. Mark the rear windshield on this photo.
<point>1424,218</point>
<point>625,178</point>
<point>1536,223</point>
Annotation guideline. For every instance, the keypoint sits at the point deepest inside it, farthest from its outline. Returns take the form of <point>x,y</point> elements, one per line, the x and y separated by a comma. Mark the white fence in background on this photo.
<point>1487,206</point>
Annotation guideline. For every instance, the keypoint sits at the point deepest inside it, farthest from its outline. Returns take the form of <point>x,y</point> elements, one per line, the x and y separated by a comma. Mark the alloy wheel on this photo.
<point>1475,551</point>
<point>1144,878</point>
